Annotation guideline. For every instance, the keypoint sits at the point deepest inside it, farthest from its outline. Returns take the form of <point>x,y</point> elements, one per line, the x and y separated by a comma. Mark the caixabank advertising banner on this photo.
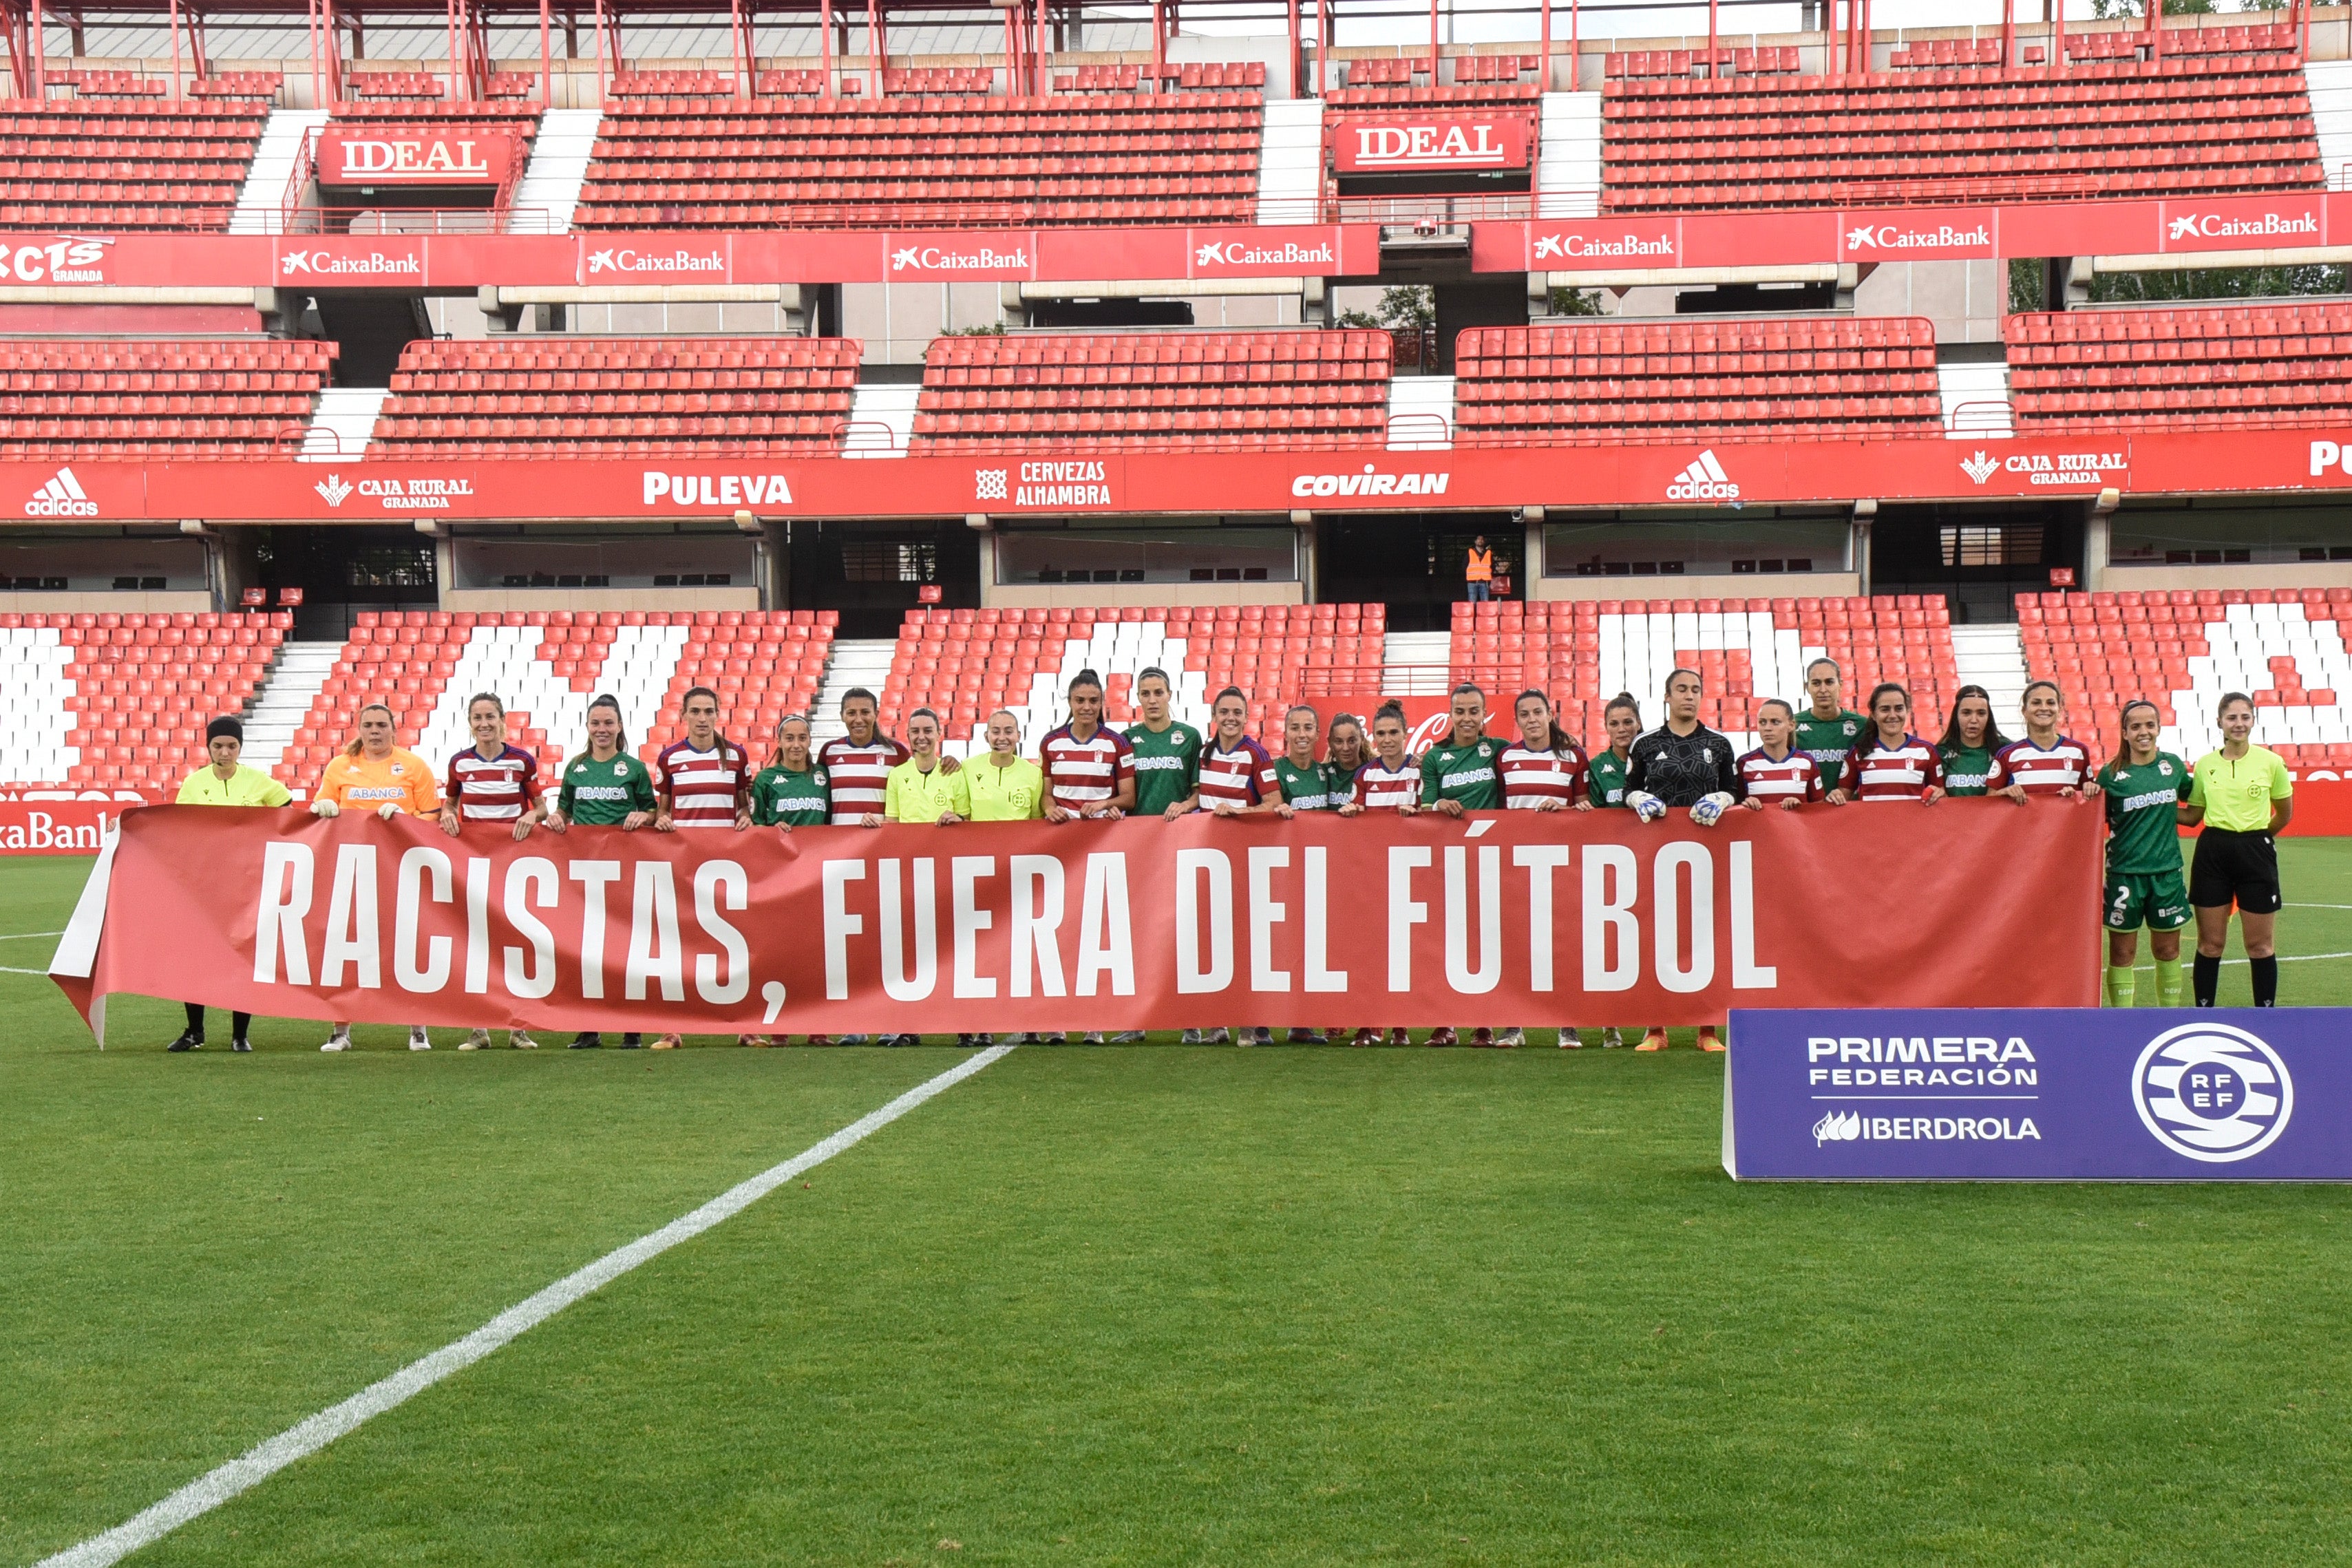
<point>2040,1095</point>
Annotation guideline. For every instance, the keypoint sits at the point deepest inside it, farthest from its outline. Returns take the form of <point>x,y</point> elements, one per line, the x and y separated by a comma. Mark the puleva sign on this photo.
<point>2046,1094</point>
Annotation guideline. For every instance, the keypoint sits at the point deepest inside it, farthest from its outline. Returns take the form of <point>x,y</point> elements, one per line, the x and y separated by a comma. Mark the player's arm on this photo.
<point>1849,780</point>
<point>1727,768</point>
<point>2281,797</point>
<point>1932,790</point>
<point>453,815</point>
<point>1432,799</point>
<point>665,798</point>
<point>742,790</point>
<point>959,799</point>
<point>2091,771</point>
<point>1354,805</point>
<point>534,804</point>
<point>276,793</point>
<point>1122,777</point>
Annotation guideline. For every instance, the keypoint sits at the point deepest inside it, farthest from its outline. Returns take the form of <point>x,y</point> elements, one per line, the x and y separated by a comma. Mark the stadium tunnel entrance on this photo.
<point>1412,561</point>
<point>1979,556</point>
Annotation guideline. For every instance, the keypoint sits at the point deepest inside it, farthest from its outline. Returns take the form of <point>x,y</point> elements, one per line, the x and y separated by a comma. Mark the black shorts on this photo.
<point>2235,867</point>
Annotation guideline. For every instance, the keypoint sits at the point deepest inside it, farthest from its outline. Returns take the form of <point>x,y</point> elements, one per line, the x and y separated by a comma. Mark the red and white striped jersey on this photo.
<point>704,788</point>
<point>1381,788</point>
<point>1874,771</point>
<point>1793,777</point>
<point>492,789</point>
<point>1243,776</point>
<point>1530,778</point>
<point>857,777</point>
<point>1082,773</point>
<point>2066,764</point>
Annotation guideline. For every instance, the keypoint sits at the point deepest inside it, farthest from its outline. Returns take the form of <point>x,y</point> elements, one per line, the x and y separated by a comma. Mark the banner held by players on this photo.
<point>1143,923</point>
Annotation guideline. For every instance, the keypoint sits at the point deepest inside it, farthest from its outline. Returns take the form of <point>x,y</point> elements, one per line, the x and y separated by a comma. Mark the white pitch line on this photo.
<point>28,935</point>
<point>10,968</point>
<point>207,1492</point>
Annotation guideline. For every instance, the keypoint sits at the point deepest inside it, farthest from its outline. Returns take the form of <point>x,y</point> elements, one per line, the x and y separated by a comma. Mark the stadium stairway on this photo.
<point>559,167</point>
<point>2183,649</point>
<point>344,425</point>
<point>1992,657</point>
<point>1568,162</point>
<point>1291,162</point>
<point>261,200</point>
<point>862,661</point>
<point>1416,664</point>
<point>2331,111</point>
<point>285,698</point>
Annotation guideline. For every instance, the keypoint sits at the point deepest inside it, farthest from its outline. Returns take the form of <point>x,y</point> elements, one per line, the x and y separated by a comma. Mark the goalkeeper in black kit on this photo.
<point>1683,763</point>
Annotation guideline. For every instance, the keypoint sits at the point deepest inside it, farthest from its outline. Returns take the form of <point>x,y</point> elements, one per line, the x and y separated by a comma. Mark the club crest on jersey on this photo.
<point>2164,768</point>
<point>620,770</point>
<point>818,777</point>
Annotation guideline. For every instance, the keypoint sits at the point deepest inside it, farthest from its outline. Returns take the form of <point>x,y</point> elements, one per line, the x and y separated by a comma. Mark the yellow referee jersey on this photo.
<point>1014,793</point>
<point>246,786</point>
<point>910,795</point>
<point>2237,792</point>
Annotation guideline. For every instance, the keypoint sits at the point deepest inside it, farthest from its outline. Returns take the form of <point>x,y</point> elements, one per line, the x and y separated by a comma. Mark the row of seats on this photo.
<point>619,396</point>
<point>237,397</point>
<point>2192,124</point>
<point>1674,381</point>
<point>1637,64</point>
<point>100,166</point>
<point>1181,158</point>
<point>2277,362</point>
<point>1176,388</point>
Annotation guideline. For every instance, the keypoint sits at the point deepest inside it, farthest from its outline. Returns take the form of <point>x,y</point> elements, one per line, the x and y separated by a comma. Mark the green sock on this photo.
<point>2119,986</point>
<point>2167,982</point>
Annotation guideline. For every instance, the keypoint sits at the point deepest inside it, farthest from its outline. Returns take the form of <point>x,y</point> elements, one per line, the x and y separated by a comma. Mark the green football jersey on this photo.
<point>1606,781</point>
<point>1827,740</point>
<point>2142,829</point>
<point>1167,766</point>
<point>794,799</point>
<point>602,794</point>
<point>1464,774</point>
<point>1967,770</point>
<point>1304,789</point>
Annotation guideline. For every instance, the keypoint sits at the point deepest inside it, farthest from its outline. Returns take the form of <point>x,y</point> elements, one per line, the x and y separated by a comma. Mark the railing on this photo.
<point>1986,415</point>
<point>295,215</point>
<point>1421,431</point>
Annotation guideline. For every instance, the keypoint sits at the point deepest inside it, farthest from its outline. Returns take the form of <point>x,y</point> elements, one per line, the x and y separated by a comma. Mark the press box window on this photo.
<point>648,560</point>
<point>1147,555</point>
<point>1665,547</point>
<point>2228,533</point>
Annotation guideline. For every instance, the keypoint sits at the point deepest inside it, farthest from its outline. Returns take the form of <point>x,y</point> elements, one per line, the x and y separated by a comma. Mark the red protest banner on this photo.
<point>1379,920</point>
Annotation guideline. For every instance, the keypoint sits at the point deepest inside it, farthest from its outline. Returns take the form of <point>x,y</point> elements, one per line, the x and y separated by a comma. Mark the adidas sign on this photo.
<point>1703,480</point>
<point>61,497</point>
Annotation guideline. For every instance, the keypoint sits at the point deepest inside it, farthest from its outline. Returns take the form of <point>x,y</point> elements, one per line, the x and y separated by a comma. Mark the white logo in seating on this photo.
<point>333,489</point>
<point>1980,467</point>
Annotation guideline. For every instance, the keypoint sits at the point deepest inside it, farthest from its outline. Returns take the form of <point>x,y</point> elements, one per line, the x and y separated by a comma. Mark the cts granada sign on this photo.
<point>1381,146</point>
<point>423,158</point>
<point>67,259</point>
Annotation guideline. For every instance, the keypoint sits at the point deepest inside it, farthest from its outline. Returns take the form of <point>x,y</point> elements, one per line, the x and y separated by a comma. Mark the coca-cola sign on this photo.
<point>405,157</point>
<point>1382,146</point>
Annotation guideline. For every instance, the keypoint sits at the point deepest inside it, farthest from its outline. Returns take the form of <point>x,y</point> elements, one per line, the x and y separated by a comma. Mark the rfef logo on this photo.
<point>61,497</point>
<point>2212,1093</point>
<point>1703,480</point>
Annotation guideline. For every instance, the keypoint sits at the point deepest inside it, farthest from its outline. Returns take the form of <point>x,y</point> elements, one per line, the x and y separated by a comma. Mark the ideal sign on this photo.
<point>413,158</point>
<point>1387,146</point>
<point>2121,1094</point>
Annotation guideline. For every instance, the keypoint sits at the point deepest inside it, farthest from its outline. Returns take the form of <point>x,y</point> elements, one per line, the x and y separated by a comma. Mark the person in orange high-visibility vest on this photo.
<point>1478,571</point>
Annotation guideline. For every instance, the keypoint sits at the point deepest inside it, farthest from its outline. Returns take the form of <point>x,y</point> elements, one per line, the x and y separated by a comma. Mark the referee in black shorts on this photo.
<point>2242,795</point>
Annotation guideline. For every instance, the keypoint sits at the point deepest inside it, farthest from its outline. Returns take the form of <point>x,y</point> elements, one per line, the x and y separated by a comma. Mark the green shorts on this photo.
<point>2157,900</point>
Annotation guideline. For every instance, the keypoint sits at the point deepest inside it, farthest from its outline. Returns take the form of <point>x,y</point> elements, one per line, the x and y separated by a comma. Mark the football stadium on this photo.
<point>1520,782</point>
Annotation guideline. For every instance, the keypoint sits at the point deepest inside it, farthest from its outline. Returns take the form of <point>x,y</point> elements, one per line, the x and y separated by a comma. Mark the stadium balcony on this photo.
<point>1683,379</point>
<point>2274,362</point>
<point>955,160</point>
<point>120,702</point>
<point>230,397</point>
<point>618,397</point>
<point>1169,389</point>
<point>2190,124</point>
<point>2182,649</point>
<point>966,664</point>
<point>1583,652</point>
<point>95,164</point>
<point>548,664</point>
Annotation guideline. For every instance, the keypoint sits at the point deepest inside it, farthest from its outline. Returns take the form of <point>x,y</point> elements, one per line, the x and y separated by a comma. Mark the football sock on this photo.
<point>2207,977</point>
<point>2167,982</point>
<point>240,1025</point>
<point>197,1021</point>
<point>2119,985</point>
<point>2266,981</point>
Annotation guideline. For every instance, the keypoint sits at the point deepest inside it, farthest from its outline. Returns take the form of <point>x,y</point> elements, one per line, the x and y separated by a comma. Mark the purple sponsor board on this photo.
<point>2040,1095</point>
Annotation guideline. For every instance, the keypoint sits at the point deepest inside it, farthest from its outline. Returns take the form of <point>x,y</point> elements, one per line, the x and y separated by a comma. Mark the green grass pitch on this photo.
<point>1140,1306</point>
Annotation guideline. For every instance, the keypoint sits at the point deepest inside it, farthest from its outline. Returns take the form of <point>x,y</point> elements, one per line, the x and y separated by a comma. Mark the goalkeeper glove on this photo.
<point>1708,809</point>
<point>1646,806</point>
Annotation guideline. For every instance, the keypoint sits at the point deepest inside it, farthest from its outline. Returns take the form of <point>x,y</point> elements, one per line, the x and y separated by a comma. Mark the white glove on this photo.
<point>388,810</point>
<point>1646,806</point>
<point>1708,809</point>
<point>323,806</point>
